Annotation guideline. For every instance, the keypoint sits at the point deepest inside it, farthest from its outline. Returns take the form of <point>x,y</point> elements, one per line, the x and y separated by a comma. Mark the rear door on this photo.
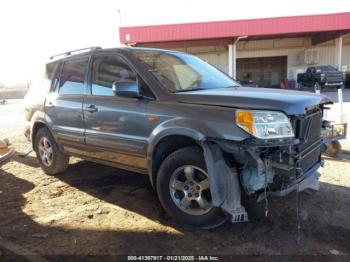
<point>63,107</point>
<point>116,127</point>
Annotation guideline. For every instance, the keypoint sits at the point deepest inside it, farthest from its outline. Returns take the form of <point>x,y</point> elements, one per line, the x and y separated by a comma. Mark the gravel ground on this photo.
<point>92,209</point>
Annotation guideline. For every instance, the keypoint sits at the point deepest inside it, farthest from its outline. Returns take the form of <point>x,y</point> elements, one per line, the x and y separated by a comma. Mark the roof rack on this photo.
<point>81,50</point>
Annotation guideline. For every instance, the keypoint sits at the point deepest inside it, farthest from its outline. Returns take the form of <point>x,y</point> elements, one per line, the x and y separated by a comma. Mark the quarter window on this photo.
<point>72,77</point>
<point>53,73</point>
<point>109,69</point>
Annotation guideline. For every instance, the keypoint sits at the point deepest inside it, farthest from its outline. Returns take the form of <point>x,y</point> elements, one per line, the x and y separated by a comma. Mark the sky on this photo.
<point>33,30</point>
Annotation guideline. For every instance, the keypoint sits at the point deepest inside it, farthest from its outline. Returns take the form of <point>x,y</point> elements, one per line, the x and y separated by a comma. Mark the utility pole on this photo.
<point>120,17</point>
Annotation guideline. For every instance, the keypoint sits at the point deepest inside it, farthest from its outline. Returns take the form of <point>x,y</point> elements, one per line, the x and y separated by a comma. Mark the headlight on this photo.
<point>264,124</point>
<point>323,76</point>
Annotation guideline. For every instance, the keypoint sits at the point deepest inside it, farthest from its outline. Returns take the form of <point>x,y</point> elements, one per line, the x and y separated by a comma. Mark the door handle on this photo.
<point>91,109</point>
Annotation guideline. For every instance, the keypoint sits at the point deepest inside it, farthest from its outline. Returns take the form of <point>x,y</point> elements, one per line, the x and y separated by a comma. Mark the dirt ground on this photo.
<point>92,209</point>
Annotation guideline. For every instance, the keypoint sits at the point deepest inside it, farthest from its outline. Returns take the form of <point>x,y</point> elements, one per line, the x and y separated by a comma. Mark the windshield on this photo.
<point>180,72</point>
<point>325,68</point>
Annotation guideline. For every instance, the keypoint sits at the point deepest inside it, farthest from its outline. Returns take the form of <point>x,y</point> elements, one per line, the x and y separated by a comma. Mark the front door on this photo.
<point>116,127</point>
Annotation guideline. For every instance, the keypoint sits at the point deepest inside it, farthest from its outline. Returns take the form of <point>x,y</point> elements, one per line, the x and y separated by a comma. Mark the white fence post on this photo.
<point>341,109</point>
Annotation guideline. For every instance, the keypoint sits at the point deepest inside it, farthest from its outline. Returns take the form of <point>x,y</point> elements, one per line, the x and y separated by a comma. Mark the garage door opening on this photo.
<point>264,71</point>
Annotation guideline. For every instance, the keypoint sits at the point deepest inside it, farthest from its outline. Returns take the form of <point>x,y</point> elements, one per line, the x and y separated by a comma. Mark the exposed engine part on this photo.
<point>297,215</point>
<point>224,184</point>
<point>256,178</point>
<point>252,181</point>
<point>267,169</point>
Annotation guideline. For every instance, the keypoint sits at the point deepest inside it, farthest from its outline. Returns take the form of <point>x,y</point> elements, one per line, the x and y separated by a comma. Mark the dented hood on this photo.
<point>289,101</point>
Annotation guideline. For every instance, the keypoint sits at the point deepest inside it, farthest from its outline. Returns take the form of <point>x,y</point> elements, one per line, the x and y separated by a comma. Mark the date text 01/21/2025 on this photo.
<point>173,258</point>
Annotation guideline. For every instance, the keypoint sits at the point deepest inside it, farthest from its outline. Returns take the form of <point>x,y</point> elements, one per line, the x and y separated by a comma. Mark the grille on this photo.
<point>310,159</point>
<point>308,130</point>
<point>333,77</point>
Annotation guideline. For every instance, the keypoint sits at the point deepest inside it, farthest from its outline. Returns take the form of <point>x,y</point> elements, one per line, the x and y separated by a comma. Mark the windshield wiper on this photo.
<point>190,89</point>
<point>232,86</point>
<point>197,89</point>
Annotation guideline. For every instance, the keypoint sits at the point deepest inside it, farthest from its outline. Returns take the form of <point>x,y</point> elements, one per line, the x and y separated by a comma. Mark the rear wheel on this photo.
<point>51,159</point>
<point>183,189</point>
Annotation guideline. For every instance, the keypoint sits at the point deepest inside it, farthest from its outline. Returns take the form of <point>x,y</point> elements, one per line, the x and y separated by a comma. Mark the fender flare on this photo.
<point>168,129</point>
<point>39,117</point>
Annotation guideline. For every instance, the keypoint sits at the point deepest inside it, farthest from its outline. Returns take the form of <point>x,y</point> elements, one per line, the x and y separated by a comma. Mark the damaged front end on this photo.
<point>265,167</point>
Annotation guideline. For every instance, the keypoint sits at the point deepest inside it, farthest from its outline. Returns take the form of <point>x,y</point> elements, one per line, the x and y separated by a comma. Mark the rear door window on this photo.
<point>72,77</point>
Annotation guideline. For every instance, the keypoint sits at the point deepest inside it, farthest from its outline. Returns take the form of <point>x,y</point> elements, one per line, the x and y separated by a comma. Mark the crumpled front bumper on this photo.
<point>309,180</point>
<point>227,180</point>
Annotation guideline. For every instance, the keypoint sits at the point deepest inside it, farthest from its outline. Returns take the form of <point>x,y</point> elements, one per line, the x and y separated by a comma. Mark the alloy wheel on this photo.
<point>45,151</point>
<point>189,189</point>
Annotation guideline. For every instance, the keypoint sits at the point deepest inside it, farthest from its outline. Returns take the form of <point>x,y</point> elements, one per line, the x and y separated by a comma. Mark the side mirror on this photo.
<point>126,89</point>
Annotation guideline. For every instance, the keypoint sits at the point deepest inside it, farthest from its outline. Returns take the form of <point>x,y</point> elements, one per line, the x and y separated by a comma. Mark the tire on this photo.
<point>176,166</point>
<point>54,162</point>
<point>333,149</point>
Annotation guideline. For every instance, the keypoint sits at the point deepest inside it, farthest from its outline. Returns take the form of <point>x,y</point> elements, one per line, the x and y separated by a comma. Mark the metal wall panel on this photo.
<point>346,55</point>
<point>219,60</point>
<point>327,54</point>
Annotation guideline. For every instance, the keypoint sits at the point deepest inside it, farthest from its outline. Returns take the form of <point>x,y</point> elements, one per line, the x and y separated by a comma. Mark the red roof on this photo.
<point>293,25</point>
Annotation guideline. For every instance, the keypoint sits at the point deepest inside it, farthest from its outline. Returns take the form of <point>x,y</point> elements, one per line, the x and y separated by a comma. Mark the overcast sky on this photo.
<point>32,30</point>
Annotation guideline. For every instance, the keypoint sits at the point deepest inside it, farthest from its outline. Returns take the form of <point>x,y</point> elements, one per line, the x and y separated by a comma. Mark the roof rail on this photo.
<point>81,50</point>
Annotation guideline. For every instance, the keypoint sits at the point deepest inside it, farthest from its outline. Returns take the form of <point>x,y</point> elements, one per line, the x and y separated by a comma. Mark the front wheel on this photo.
<point>183,189</point>
<point>51,159</point>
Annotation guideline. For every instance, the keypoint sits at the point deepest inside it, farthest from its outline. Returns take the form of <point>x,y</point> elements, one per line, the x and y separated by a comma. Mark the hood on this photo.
<point>287,101</point>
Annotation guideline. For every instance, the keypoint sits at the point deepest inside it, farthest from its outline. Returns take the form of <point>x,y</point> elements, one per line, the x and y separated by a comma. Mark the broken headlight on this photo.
<point>264,124</point>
